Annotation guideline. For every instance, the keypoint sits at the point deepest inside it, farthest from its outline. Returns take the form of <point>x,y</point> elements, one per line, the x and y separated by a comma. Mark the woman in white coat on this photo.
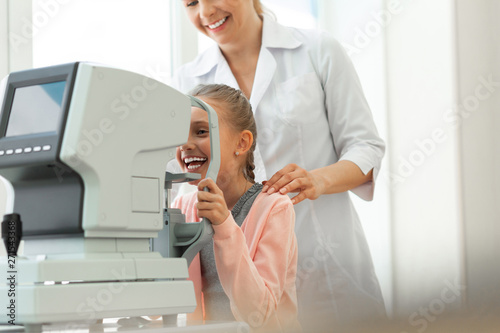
<point>316,137</point>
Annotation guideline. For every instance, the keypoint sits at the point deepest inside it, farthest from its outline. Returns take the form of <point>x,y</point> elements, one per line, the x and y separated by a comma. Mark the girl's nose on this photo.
<point>187,146</point>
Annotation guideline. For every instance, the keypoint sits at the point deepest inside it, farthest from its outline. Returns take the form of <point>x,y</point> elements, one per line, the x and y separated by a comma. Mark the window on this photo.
<point>299,13</point>
<point>133,35</point>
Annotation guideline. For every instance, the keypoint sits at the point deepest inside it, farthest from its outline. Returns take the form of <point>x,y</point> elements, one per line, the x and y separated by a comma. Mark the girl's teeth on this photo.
<point>194,159</point>
<point>192,167</point>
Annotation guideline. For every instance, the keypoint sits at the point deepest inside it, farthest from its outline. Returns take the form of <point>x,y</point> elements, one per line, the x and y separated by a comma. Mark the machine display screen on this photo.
<point>36,109</point>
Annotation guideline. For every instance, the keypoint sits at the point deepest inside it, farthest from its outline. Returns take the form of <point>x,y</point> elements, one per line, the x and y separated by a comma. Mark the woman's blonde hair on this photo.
<point>258,7</point>
<point>238,115</point>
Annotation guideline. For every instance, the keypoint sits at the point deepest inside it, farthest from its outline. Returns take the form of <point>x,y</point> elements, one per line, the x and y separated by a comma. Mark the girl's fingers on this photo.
<point>206,196</point>
<point>209,205</point>
<point>210,184</point>
<point>207,182</point>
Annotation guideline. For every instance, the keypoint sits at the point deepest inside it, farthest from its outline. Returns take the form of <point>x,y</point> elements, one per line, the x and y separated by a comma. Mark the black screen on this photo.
<point>36,109</point>
<point>32,118</point>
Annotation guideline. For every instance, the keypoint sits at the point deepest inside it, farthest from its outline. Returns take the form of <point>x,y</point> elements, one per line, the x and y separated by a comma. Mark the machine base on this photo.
<point>78,290</point>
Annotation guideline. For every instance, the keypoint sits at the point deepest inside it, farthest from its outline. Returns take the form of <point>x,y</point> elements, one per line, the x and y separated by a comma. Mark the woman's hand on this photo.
<point>293,178</point>
<point>211,204</point>
<point>335,178</point>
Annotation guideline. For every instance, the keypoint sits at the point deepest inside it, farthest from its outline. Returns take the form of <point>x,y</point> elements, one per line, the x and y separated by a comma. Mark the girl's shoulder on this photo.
<point>272,202</point>
<point>269,213</point>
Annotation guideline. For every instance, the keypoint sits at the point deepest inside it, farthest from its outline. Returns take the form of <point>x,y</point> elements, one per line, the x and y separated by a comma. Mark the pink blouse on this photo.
<point>256,263</point>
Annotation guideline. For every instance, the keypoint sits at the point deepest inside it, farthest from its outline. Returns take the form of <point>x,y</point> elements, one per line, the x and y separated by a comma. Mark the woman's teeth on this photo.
<point>217,24</point>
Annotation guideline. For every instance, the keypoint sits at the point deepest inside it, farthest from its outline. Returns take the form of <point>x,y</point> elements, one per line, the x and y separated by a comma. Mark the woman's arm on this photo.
<point>354,135</point>
<point>336,178</point>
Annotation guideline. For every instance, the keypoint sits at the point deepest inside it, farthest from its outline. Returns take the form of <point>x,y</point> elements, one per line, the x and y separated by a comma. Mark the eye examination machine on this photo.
<point>83,154</point>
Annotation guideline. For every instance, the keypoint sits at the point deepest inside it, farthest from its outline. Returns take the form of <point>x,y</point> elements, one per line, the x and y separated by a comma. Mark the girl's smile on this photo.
<point>193,163</point>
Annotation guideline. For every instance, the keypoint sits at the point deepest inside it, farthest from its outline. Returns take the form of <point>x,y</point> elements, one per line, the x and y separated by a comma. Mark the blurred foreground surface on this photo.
<point>487,321</point>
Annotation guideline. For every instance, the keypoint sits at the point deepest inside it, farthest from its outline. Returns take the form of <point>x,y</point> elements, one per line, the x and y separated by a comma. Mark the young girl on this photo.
<point>248,273</point>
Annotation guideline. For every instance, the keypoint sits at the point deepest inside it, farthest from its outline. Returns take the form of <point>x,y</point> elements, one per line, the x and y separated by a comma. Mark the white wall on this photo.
<point>4,70</point>
<point>20,35</point>
<point>15,36</point>
<point>478,55</point>
<point>15,48</point>
<point>4,50</point>
<point>426,219</point>
<point>444,78</point>
<point>184,36</point>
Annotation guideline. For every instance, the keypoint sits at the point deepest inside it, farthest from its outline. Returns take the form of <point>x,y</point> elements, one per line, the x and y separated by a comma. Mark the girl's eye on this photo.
<point>202,132</point>
<point>191,3</point>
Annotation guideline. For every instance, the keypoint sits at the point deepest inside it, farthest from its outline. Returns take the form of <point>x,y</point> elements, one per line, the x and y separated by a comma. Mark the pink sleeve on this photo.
<point>195,276</point>
<point>255,276</point>
<point>187,204</point>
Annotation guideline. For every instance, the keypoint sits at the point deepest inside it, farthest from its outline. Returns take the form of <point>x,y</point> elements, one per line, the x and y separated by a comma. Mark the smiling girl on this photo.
<point>248,273</point>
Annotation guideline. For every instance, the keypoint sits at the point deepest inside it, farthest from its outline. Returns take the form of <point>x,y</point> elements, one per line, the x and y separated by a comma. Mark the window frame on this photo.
<point>15,57</point>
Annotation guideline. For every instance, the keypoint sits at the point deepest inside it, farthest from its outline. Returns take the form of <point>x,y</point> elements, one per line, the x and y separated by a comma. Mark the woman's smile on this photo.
<point>217,24</point>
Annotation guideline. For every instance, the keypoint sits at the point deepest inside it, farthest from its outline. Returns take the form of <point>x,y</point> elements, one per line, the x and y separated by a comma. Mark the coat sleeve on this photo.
<point>255,279</point>
<point>350,119</point>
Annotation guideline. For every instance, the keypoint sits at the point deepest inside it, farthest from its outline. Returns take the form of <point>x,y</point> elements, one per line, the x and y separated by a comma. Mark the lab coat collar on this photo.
<point>274,35</point>
<point>205,62</point>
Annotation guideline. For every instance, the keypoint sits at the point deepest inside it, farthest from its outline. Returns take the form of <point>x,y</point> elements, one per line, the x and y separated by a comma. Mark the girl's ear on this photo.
<point>245,141</point>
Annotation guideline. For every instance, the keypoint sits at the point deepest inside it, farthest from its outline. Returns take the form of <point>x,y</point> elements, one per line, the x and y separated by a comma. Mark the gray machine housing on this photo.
<point>89,187</point>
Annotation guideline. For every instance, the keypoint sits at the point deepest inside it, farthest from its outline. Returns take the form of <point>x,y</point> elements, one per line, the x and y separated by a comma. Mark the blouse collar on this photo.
<point>274,35</point>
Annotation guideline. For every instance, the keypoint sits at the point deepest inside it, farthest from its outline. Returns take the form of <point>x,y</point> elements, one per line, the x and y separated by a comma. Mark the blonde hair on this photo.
<point>258,7</point>
<point>238,115</point>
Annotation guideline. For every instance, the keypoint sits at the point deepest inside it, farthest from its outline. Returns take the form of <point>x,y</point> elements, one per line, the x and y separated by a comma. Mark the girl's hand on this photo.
<point>212,204</point>
<point>293,178</point>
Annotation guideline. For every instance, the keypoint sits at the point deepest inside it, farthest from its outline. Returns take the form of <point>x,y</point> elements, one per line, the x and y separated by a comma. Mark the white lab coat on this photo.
<point>310,110</point>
